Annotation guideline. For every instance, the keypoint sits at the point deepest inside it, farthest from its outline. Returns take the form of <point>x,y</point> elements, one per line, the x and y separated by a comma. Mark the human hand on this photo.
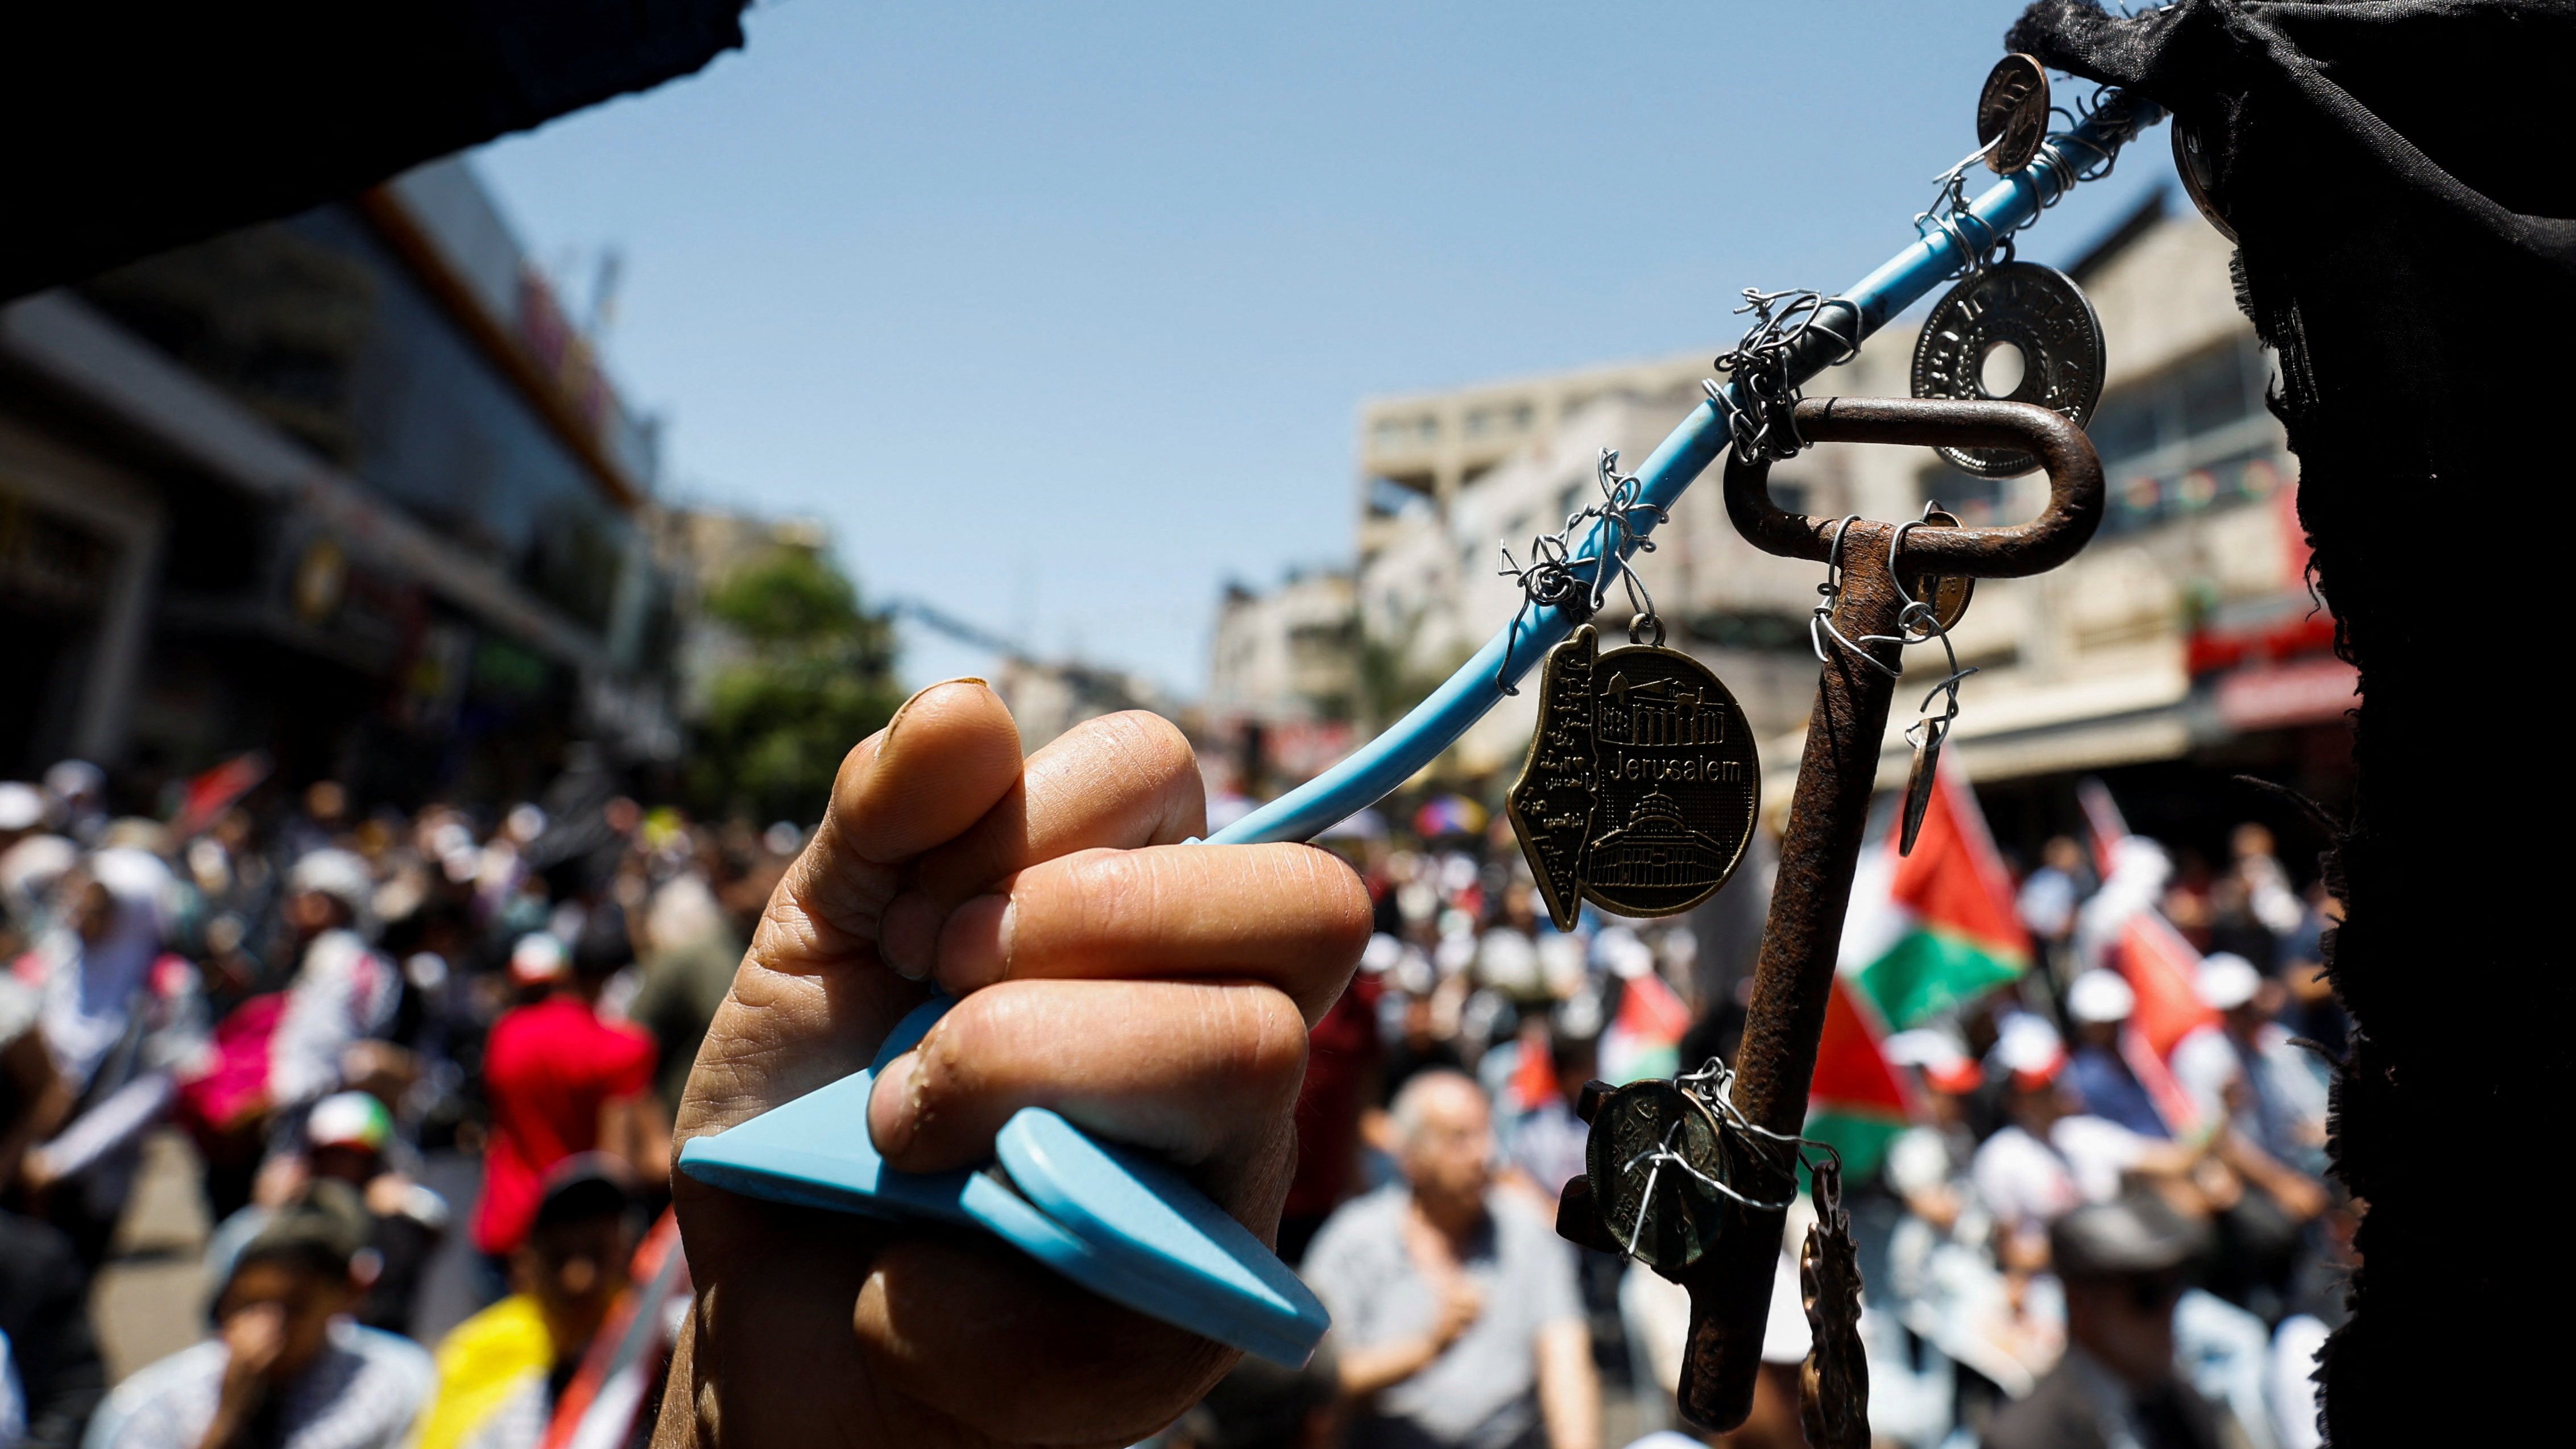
<point>1460,1306</point>
<point>254,1337</point>
<point>1041,894</point>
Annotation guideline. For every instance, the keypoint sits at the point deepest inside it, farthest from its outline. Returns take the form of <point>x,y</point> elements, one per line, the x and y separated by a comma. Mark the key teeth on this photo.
<point>1589,1100</point>
<point>1578,1218</point>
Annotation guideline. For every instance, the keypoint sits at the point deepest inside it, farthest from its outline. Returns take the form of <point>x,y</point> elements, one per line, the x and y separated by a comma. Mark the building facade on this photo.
<point>345,487</point>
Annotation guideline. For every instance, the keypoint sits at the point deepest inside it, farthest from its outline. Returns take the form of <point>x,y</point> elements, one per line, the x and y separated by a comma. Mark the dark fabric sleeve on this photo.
<point>2396,173</point>
<point>44,1307</point>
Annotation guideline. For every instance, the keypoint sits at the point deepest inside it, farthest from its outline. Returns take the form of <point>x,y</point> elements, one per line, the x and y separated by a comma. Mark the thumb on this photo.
<point>948,756</point>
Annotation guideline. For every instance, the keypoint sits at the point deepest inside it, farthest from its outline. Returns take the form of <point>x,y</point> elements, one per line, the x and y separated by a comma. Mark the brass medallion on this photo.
<point>1642,784</point>
<point>2012,113</point>
<point>2036,310</point>
<point>1650,1203</point>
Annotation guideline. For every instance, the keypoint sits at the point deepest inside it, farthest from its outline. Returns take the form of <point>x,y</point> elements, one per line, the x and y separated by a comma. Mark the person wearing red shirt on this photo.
<point>561,1081</point>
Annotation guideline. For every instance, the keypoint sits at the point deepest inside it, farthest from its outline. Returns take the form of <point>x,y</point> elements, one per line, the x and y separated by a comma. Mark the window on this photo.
<point>313,323</point>
<point>2193,437</point>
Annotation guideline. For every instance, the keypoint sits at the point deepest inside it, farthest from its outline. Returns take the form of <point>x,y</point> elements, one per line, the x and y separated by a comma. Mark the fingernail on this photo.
<point>975,945</point>
<point>894,1106</point>
<point>908,935</point>
<point>917,695</point>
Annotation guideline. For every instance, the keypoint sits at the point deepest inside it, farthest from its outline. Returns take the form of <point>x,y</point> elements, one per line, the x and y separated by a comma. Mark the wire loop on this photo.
<point>1555,575</point>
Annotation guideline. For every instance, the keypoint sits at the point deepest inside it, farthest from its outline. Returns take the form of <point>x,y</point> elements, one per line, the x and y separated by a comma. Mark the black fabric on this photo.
<point>2399,179</point>
<point>44,1308</point>
<point>127,129</point>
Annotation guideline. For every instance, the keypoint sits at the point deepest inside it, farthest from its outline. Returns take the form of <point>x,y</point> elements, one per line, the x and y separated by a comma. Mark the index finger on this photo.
<point>1289,915</point>
<point>1120,781</point>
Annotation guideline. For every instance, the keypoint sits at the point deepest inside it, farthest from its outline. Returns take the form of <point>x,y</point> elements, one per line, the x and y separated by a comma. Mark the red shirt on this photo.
<point>546,1070</point>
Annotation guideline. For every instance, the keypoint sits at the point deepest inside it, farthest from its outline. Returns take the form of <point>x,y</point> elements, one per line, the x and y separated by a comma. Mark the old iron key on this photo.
<point>1730,1284</point>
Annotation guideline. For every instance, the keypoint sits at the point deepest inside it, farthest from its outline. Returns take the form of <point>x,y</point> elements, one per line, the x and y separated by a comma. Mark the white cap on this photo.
<point>2028,1047</point>
<point>22,806</point>
<point>538,957</point>
<point>2227,981</point>
<point>1922,1047</point>
<point>75,780</point>
<point>2100,996</point>
<point>337,873</point>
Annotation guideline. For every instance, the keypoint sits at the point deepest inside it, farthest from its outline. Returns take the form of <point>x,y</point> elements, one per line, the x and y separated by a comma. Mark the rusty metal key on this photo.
<point>1730,1284</point>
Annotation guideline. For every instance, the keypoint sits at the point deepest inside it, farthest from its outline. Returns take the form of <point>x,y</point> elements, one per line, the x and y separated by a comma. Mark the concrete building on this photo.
<point>1429,446</point>
<point>345,487</point>
<point>1287,679</point>
<point>2180,647</point>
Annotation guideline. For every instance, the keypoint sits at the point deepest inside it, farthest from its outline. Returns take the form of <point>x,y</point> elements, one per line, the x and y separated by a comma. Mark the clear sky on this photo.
<point>1058,315</point>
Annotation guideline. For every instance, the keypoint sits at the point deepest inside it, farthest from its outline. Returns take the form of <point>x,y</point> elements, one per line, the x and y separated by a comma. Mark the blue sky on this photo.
<point>1059,315</point>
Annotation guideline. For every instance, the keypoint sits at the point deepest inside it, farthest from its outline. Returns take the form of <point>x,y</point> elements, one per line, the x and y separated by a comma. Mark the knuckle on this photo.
<point>1104,894</point>
<point>1268,1037</point>
<point>1150,745</point>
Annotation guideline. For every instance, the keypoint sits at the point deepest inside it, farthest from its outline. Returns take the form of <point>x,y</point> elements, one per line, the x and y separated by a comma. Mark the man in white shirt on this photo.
<point>2052,1159</point>
<point>1454,1306</point>
<point>2244,1070</point>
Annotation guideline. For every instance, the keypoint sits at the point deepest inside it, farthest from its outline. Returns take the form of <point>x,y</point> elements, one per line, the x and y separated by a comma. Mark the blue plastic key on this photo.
<point>1110,1218</point>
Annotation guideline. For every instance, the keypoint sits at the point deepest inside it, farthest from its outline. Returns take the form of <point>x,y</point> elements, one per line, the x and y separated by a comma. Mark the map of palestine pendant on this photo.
<point>1642,785</point>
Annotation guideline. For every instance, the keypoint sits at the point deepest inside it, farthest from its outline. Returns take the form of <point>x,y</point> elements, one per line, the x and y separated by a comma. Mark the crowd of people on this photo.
<point>321,998</point>
<point>2081,1236</point>
<point>2086,1236</point>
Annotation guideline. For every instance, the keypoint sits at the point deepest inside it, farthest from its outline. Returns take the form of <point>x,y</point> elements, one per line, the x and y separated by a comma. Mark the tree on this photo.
<point>817,677</point>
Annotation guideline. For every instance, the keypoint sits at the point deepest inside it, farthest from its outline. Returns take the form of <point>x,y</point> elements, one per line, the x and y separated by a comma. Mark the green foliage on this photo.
<point>794,596</point>
<point>819,677</point>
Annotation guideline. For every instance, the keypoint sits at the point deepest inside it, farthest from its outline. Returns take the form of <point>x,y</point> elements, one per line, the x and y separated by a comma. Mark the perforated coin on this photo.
<point>1677,1220</point>
<point>2012,113</point>
<point>2037,310</point>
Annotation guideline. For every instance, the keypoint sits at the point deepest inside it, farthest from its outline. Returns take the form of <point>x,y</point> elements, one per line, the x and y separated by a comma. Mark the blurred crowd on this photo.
<point>324,1000</point>
<point>2102,1220</point>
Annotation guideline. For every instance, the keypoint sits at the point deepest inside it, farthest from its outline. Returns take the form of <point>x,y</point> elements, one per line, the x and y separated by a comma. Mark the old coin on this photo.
<point>1642,1135</point>
<point>1947,596</point>
<point>1642,784</point>
<point>2199,174</point>
<point>2012,113</point>
<point>2035,310</point>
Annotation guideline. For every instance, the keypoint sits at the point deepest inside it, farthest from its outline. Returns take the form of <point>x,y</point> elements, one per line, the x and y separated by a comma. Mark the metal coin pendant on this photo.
<point>2199,175</point>
<point>1919,782</point>
<point>1659,1213</point>
<point>2012,113</point>
<point>2036,309</point>
<point>1948,596</point>
<point>1642,783</point>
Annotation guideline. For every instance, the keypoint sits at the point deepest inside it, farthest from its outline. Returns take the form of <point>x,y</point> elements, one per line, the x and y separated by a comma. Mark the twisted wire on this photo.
<point>1554,575</point>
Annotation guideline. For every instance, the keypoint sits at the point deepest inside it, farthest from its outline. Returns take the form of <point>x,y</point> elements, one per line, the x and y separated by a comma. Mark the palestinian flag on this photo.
<point>2160,966</point>
<point>1925,932</point>
<point>1857,1102</point>
<point>1945,931</point>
